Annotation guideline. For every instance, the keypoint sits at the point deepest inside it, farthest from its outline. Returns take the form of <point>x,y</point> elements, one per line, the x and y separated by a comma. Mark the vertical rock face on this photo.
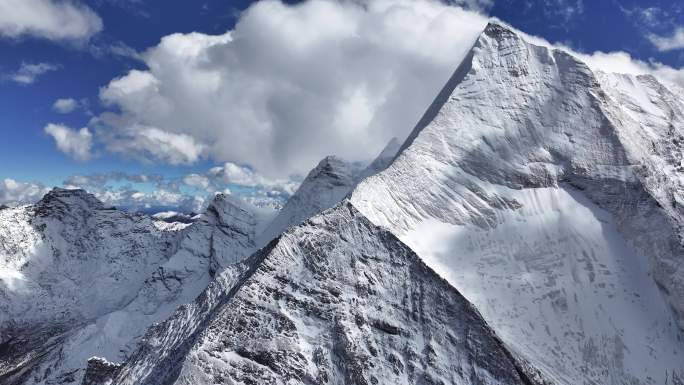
<point>334,300</point>
<point>78,279</point>
<point>550,196</point>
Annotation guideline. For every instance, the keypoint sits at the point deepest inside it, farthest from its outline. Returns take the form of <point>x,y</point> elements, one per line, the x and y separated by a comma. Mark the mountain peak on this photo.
<point>383,160</point>
<point>333,167</point>
<point>325,185</point>
<point>60,199</point>
<point>523,146</point>
<point>226,209</point>
<point>498,30</point>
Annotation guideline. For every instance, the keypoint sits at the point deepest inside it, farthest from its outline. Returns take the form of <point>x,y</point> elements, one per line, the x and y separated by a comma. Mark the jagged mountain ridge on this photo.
<point>193,255</point>
<point>334,300</point>
<point>549,197</point>
<point>80,279</point>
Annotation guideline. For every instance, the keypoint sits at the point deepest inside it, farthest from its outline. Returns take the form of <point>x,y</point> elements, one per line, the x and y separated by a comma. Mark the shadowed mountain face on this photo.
<point>550,196</point>
<point>334,300</point>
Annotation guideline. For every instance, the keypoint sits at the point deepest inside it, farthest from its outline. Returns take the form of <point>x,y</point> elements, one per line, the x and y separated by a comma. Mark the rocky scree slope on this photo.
<point>550,196</point>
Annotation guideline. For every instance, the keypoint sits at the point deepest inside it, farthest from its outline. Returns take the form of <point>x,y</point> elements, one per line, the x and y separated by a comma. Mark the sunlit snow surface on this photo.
<point>557,267</point>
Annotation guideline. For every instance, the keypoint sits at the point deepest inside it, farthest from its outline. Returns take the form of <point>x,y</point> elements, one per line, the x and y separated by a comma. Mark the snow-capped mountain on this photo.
<point>334,300</point>
<point>551,197</point>
<point>529,231</point>
<point>81,280</point>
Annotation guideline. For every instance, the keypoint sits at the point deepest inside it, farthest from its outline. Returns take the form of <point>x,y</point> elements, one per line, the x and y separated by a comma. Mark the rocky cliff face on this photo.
<point>550,197</point>
<point>334,300</point>
<point>81,280</point>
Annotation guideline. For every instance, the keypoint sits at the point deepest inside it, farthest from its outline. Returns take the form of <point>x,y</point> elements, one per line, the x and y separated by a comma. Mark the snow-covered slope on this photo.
<point>550,197</point>
<point>335,300</point>
<point>79,280</point>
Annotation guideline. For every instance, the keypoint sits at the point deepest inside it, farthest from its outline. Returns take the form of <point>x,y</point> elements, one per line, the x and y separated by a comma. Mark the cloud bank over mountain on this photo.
<point>289,85</point>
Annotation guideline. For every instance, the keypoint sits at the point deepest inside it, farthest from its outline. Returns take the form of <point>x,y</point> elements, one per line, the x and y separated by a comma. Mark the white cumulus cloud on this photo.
<point>57,20</point>
<point>249,184</point>
<point>151,143</point>
<point>197,181</point>
<point>290,84</point>
<point>76,144</point>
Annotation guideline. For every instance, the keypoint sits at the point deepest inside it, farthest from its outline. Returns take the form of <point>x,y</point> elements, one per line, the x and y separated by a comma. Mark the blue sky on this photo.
<point>259,145</point>
<point>27,153</point>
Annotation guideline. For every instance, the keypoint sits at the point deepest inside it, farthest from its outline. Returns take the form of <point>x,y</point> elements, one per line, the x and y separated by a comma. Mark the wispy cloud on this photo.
<point>658,24</point>
<point>103,47</point>
<point>565,10</point>
<point>668,43</point>
<point>137,192</point>
<point>190,192</point>
<point>649,17</point>
<point>28,73</point>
